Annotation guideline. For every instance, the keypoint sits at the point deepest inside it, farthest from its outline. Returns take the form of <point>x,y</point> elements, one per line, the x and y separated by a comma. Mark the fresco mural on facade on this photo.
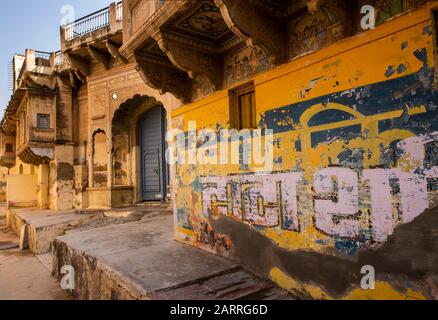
<point>244,64</point>
<point>309,35</point>
<point>207,20</point>
<point>386,9</point>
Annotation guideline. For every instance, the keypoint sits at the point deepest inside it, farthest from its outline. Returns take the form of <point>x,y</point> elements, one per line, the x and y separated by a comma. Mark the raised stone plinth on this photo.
<point>42,226</point>
<point>140,260</point>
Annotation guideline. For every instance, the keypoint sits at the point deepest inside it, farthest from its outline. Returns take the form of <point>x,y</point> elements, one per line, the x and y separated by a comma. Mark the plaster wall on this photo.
<point>354,175</point>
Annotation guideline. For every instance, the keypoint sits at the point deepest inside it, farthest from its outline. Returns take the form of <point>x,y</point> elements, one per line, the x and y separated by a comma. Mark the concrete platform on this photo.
<point>140,260</point>
<point>42,226</point>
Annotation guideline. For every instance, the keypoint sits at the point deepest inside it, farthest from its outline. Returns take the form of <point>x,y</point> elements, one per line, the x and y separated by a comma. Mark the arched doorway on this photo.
<point>152,128</point>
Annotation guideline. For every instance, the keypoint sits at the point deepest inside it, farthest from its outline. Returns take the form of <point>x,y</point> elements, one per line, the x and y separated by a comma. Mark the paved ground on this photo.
<point>22,275</point>
<point>135,248</point>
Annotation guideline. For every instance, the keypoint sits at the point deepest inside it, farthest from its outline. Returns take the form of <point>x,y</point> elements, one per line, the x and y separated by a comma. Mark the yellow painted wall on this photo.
<point>397,59</point>
<point>22,190</point>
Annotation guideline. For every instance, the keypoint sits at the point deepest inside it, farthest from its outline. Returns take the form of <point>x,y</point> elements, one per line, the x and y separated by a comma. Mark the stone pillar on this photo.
<point>43,186</point>
<point>62,31</point>
<point>136,173</point>
<point>80,187</point>
<point>64,113</point>
<point>30,60</point>
<point>113,17</point>
<point>110,181</point>
<point>52,59</point>
<point>127,29</point>
<point>64,180</point>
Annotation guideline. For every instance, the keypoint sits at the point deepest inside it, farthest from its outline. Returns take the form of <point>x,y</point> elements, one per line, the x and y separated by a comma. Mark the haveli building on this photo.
<point>353,113</point>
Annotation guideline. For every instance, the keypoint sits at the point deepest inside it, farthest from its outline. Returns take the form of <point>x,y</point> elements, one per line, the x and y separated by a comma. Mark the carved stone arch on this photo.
<point>132,102</point>
<point>93,136</point>
<point>131,110</point>
<point>99,151</point>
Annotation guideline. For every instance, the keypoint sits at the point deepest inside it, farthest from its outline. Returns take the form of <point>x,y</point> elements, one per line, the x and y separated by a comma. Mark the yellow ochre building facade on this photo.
<point>346,188</point>
<point>297,143</point>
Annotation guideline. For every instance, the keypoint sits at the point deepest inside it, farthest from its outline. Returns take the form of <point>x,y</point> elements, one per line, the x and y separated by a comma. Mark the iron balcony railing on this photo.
<point>92,22</point>
<point>119,12</point>
<point>42,55</point>
<point>42,59</point>
<point>59,58</point>
<point>20,75</point>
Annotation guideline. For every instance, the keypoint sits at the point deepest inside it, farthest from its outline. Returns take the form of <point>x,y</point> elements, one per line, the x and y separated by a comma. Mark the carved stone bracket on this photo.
<point>80,64</point>
<point>114,51</point>
<point>250,22</point>
<point>198,60</point>
<point>101,56</point>
<point>72,79</point>
<point>163,76</point>
<point>82,78</point>
<point>68,79</point>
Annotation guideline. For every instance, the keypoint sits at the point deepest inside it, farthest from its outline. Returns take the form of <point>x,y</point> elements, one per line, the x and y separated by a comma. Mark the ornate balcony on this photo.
<point>192,48</point>
<point>7,149</point>
<point>94,26</point>
<point>91,42</point>
<point>23,134</point>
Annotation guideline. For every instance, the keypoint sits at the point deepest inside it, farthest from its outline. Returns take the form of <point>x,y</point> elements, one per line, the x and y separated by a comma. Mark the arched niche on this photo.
<point>100,159</point>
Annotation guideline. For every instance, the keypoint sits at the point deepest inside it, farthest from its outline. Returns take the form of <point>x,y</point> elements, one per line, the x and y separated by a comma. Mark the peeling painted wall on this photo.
<point>355,175</point>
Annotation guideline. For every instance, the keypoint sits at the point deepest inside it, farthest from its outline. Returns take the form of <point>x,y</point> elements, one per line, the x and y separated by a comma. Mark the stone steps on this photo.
<point>233,284</point>
<point>38,228</point>
<point>8,239</point>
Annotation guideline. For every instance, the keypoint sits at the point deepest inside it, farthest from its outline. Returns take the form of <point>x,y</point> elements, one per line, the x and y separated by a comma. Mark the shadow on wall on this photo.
<point>411,252</point>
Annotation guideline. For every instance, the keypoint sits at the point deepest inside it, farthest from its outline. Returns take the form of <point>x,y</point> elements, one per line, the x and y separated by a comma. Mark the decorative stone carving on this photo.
<point>113,49</point>
<point>252,24</point>
<point>98,106</point>
<point>163,76</point>
<point>82,78</point>
<point>36,156</point>
<point>206,21</point>
<point>80,64</point>
<point>100,56</point>
<point>72,80</point>
<point>187,56</point>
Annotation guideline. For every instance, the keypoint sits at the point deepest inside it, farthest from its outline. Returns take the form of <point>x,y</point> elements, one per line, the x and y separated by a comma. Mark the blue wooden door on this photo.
<point>153,175</point>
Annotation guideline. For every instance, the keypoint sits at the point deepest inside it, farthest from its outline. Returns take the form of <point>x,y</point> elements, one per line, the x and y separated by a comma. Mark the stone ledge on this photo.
<point>132,261</point>
<point>44,225</point>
